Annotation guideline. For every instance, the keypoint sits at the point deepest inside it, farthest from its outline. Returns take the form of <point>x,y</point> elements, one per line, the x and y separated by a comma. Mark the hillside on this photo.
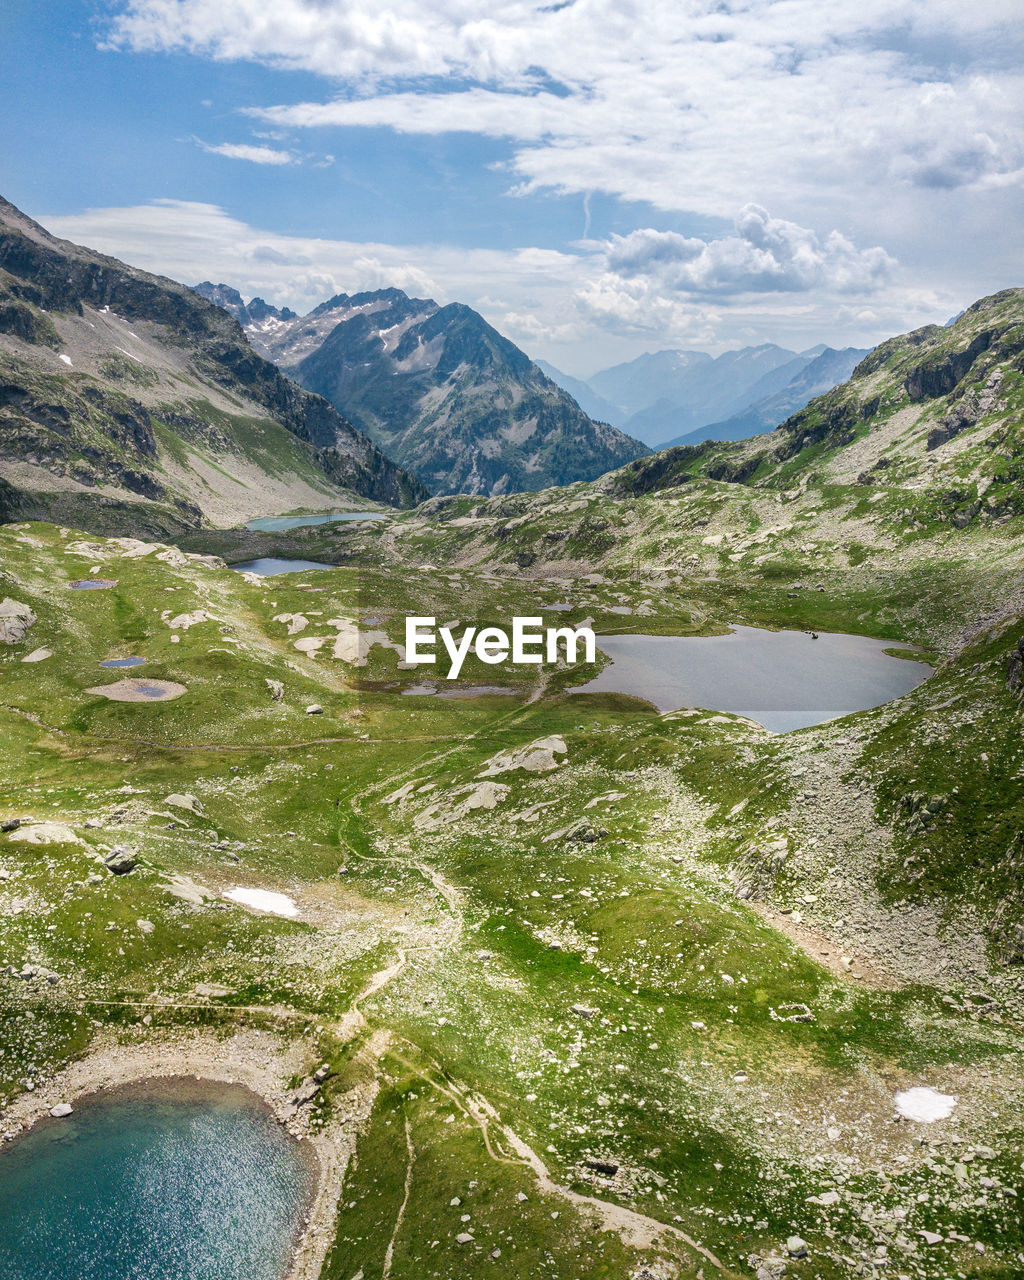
<point>926,432</point>
<point>443,393</point>
<point>129,403</point>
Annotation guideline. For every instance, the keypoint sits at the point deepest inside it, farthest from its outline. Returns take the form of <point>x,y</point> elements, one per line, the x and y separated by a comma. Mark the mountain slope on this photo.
<point>929,430</point>
<point>443,393</point>
<point>810,378</point>
<point>127,402</point>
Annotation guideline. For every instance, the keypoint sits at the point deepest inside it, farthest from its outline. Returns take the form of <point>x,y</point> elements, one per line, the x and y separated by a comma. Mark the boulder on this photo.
<point>15,620</point>
<point>61,1110</point>
<point>187,890</point>
<point>306,1092</point>
<point>537,757</point>
<point>276,689</point>
<point>121,860</point>
<point>796,1247</point>
<point>45,833</point>
<point>314,709</point>
<point>187,801</point>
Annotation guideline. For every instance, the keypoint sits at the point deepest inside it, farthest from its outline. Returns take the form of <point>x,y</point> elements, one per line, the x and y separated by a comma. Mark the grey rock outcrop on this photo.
<point>15,620</point>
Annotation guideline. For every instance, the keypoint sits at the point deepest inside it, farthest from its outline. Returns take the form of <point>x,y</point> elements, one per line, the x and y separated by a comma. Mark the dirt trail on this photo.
<point>352,1021</point>
<point>390,1253</point>
<point>635,1229</point>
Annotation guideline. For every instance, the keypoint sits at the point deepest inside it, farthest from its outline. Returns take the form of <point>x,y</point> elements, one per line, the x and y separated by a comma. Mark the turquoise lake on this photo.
<point>179,1180</point>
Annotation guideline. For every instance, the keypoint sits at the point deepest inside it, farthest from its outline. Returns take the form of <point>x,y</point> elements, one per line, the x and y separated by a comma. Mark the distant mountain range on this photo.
<point>440,390</point>
<point>129,404</point>
<point>814,378</point>
<point>673,397</point>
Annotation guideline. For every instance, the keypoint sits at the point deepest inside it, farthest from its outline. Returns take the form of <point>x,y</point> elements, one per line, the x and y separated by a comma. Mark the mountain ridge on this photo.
<point>126,396</point>
<point>666,396</point>
<point>442,392</point>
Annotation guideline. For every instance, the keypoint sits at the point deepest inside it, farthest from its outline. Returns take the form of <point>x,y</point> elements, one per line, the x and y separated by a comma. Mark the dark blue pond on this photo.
<point>123,662</point>
<point>270,565</point>
<point>175,1181</point>
<point>92,584</point>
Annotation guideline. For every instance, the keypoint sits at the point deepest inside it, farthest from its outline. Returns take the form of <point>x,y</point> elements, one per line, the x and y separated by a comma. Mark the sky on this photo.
<point>598,177</point>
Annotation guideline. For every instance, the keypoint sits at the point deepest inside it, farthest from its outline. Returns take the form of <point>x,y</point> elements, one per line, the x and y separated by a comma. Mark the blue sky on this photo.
<point>599,178</point>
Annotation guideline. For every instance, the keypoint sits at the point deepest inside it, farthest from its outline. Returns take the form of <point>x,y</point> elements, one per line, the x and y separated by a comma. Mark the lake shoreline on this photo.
<point>260,1061</point>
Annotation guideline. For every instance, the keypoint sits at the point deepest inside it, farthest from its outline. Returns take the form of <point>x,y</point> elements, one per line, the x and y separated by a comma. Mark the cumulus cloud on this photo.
<point>247,151</point>
<point>191,240</point>
<point>573,308</point>
<point>699,107</point>
<point>766,255</point>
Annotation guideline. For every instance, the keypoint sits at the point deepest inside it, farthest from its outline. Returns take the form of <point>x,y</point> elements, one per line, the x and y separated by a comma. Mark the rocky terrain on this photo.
<point>439,390</point>
<point>601,992</point>
<point>126,401</point>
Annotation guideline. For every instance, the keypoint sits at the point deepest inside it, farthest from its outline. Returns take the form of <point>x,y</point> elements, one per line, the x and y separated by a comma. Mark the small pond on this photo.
<point>267,566</point>
<point>92,584</point>
<point>124,662</point>
<point>272,524</point>
<point>785,680</point>
<point>157,1181</point>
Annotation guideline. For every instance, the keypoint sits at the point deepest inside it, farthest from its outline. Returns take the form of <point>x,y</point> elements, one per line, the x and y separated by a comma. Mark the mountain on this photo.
<point>584,394</point>
<point>230,299</point>
<point>442,392</point>
<point>928,430</point>
<point>812,378</point>
<point>665,393</point>
<point>128,402</point>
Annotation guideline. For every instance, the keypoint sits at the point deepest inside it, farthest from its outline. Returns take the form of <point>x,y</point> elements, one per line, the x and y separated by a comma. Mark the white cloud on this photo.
<point>245,151</point>
<point>873,130</point>
<point>699,106</point>
<point>572,308</point>
<point>766,255</point>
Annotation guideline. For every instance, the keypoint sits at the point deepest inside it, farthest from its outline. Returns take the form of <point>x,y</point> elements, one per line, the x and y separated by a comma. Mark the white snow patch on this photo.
<point>277,904</point>
<point>924,1104</point>
<point>66,360</point>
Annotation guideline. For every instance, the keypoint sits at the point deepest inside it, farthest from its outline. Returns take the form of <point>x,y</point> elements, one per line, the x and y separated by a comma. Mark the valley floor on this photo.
<point>600,992</point>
